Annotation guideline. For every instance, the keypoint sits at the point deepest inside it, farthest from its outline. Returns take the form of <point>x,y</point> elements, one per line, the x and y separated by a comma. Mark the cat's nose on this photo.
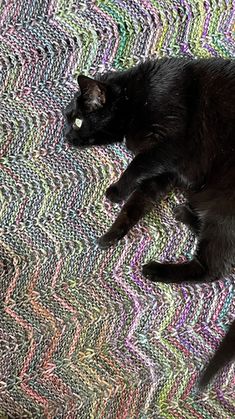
<point>71,138</point>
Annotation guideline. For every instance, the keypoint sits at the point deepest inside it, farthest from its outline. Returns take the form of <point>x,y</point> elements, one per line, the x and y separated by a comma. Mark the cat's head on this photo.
<point>96,114</point>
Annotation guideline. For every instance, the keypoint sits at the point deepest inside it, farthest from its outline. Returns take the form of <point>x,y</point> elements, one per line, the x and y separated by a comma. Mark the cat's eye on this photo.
<point>78,123</point>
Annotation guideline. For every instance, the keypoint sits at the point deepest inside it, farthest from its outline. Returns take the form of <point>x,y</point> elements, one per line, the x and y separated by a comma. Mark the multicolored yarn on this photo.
<point>83,334</point>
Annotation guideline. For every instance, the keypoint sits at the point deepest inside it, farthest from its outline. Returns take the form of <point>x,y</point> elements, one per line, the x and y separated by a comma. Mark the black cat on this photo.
<point>178,117</point>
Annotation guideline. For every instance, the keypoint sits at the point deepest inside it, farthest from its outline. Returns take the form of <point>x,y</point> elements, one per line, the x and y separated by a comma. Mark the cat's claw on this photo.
<point>113,194</point>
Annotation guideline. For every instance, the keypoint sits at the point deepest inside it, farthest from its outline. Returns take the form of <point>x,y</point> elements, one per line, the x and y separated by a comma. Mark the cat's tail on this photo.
<point>224,354</point>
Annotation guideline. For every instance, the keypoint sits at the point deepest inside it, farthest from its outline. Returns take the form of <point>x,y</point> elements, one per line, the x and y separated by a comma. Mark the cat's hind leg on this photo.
<point>214,256</point>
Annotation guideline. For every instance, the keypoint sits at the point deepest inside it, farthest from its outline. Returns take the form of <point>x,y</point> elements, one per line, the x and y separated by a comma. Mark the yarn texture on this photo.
<point>82,333</point>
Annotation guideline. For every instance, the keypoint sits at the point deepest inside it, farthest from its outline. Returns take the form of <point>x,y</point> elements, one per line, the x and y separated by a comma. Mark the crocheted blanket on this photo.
<point>82,333</point>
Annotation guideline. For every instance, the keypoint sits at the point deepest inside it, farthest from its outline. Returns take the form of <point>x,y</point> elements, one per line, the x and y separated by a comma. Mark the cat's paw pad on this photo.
<point>113,194</point>
<point>154,271</point>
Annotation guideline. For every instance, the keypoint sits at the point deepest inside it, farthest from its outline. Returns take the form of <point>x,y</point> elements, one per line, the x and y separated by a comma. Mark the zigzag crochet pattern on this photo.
<point>82,333</point>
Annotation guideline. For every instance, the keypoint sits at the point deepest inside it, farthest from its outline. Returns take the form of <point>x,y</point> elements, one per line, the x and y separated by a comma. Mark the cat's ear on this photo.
<point>93,92</point>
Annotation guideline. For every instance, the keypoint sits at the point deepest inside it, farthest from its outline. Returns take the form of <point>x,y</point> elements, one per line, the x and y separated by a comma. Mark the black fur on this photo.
<point>224,354</point>
<point>178,117</point>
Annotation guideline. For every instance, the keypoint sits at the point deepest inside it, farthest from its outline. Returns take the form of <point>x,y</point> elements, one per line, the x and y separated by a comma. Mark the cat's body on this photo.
<point>178,117</point>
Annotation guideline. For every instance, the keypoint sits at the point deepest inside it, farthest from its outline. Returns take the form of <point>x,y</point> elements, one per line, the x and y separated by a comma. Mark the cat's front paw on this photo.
<point>111,238</point>
<point>106,241</point>
<point>113,193</point>
<point>155,272</point>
